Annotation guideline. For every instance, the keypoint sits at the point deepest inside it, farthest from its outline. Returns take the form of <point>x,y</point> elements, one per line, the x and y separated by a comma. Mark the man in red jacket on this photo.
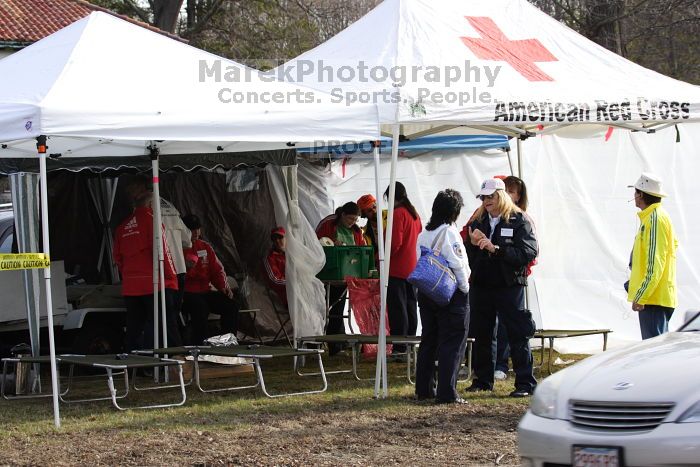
<point>133,254</point>
<point>203,270</point>
<point>276,262</point>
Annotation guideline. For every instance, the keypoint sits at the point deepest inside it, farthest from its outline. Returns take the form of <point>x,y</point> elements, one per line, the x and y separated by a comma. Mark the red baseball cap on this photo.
<point>279,230</point>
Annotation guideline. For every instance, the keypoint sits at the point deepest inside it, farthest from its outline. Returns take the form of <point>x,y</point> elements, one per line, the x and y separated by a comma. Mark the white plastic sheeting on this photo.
<point>577,184</point>
<point>305,256</point>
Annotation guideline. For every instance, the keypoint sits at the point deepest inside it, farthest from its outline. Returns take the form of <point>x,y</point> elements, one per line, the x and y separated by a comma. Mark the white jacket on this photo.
<point>452,249</point>
<point>177,235</point>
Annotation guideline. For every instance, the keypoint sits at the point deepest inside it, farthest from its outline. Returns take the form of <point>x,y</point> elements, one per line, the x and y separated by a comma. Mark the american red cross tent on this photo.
<point>121,89</point>
<point>499,65</point>
<point>412,57</point>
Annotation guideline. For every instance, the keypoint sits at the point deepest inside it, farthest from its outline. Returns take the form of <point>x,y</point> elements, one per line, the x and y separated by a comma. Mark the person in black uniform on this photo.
<point>501,245</point>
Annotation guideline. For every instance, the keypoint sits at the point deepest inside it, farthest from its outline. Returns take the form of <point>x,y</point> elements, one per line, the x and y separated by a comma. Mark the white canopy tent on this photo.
<point>103,86</point>
<point>499,65</point>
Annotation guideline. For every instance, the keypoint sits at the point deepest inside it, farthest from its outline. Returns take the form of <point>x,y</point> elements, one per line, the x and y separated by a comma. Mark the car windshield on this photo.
<point>693,324</point>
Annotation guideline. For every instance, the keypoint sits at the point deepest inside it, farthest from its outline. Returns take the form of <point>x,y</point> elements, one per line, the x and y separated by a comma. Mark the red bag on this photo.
<point>364,302</point>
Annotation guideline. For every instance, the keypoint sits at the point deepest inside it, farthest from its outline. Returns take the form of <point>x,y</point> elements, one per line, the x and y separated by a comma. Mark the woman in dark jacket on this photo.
<point>500,247</point>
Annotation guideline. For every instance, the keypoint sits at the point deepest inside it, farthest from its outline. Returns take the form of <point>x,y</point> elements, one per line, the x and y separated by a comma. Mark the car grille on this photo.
<point>619,416</point>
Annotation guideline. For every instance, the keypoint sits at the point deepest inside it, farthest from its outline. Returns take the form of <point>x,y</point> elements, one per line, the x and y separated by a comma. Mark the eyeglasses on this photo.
<point>483,197</point>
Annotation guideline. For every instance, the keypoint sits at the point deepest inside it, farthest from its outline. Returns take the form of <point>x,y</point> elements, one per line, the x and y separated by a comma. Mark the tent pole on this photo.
<point>520,176</point>
<point>520,158</point>
<point>159,276</point>
<point>41,149</point>
<point>389,227</point>
<point>510,162</point>
<point>381,348</point>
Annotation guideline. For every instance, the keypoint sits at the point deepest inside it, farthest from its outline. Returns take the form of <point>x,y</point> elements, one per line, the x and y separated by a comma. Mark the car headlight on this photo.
<point>544,401</point>
<point>692,415</point>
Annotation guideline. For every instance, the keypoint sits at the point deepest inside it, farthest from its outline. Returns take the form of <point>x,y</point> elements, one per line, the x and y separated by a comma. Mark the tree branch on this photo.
<point>140,12</point>
<point>215,6</point>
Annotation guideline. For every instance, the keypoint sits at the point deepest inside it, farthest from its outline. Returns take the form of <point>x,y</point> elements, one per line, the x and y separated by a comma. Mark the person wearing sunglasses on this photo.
<point>501,245</point>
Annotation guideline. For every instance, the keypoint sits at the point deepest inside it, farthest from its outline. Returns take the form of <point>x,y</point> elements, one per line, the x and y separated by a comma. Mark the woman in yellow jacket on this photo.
<point>652,285</point>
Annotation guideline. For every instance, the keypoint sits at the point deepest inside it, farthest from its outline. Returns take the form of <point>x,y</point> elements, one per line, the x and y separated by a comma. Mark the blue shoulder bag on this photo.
<point>432,275</point>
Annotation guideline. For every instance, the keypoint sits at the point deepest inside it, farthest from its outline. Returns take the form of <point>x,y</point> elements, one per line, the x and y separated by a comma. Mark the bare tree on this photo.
<point>659,34</point>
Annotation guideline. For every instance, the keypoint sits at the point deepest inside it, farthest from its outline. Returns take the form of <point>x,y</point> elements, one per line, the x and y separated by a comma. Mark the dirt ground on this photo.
<point>343,426</point>
<point>337,434</point>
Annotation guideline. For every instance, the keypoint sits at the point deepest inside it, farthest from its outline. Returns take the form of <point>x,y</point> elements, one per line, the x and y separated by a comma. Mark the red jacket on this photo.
<point>404,236</point>
<point>275,264</point>
<point>207,269</point>
<point>133,253</point>
<point>328,228</point>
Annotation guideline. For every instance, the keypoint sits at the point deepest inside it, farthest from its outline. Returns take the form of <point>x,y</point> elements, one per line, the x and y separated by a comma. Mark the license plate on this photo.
<point>596,456</point>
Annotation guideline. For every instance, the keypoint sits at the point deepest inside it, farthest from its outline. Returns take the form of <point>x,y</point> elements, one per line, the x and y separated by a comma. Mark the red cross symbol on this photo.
<point>520,54</point>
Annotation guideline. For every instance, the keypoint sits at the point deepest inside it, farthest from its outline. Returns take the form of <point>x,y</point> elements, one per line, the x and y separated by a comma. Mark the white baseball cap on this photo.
<point>490,186</point>
<point>649,183</point>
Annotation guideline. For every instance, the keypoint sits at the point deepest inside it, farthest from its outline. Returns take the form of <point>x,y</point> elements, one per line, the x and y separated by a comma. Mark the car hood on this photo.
<point>663,369</point>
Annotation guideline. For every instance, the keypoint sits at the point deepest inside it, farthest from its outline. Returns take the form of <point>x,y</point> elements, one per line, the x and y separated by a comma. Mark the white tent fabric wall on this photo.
<point>305,257</point>
<point>577,185</point>
<point>423,176</point>
<point>586,224</point>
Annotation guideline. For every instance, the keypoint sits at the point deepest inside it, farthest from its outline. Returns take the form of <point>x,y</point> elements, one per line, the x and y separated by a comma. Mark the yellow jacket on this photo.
<point>653,277</point>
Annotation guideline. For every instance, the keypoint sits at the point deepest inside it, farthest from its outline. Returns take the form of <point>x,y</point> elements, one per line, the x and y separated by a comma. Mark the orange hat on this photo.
<point>500,177</point>
<point>366,201</point>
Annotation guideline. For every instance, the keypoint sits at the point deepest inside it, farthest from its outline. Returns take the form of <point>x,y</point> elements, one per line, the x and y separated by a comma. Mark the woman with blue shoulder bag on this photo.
<point>444,307</point>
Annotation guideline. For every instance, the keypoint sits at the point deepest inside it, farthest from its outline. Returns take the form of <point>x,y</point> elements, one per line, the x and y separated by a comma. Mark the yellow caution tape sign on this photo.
<point>13,262</point>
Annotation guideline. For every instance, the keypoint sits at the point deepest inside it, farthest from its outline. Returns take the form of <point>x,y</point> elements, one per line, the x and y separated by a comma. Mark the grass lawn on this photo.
<point>343,426</point>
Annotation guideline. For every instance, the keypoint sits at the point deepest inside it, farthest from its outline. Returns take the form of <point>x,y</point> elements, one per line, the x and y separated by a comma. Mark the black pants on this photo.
<point>502,347</point>
<point>337,297</point>
<point>199,305</point>
<point>445,338</point>
<point>180,293</point>
<point>508,304</point>
<point>401,306</point>
<point>139,321</point>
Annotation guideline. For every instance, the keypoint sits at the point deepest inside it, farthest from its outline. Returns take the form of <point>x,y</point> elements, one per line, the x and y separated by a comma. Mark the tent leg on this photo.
<point>159,270</point>
<point>384,279</point>
<point>381,348</point>
<point>520,159</point>
<point>510,161</point>
<point>520,176</point>
<point>41,148</point>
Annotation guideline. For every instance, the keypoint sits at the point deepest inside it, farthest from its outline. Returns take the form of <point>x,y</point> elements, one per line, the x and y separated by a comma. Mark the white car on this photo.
<point>637,406</point>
